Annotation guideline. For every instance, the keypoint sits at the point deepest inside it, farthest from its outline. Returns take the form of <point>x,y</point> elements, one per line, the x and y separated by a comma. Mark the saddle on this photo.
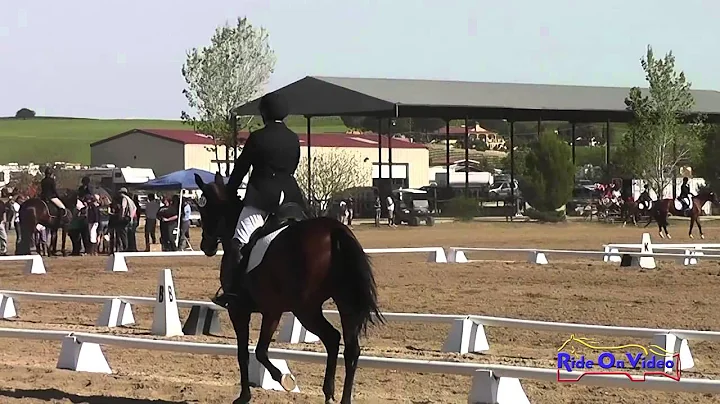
<point>287,214</point>
<point>54,211</point>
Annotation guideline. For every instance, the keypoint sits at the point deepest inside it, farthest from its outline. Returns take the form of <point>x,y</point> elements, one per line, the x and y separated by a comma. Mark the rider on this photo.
<point>273,152</point>
<point>84,191</point>
<point>48,190</point>
<point>685,194</point>
<point>644,197</point>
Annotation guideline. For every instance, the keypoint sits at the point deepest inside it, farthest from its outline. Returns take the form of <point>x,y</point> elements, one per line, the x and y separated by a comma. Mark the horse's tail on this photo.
<point>353,274</point>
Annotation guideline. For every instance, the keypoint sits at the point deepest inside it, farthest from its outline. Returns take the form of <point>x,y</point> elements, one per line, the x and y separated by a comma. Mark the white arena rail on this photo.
<point>82,352</point>
<point>467,332</point>
<point>34,263</point>
<point>116,262</point>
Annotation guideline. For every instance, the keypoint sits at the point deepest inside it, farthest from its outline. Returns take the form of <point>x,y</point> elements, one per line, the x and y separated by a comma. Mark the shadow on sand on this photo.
<point>55,394</point>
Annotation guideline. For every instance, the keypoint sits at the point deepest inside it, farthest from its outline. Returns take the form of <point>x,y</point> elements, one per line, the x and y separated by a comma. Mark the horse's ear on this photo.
<point>199,181</point>
<point>219,178</point>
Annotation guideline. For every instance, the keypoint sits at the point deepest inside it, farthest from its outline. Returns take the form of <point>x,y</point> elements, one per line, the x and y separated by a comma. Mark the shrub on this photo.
<point>462,208</point>
<point>548,182</point>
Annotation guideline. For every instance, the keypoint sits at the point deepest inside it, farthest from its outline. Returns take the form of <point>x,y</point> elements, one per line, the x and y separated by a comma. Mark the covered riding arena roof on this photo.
<point>332,96</point>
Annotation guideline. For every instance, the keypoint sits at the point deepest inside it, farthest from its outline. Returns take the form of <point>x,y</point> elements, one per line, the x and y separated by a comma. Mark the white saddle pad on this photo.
<point>679,205</point>
<point>258,251</point>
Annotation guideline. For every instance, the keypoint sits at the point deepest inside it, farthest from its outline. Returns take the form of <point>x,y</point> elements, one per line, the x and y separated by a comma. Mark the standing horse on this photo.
<point>665,207</point>
<point>307,263</point>
<point>36,211</point>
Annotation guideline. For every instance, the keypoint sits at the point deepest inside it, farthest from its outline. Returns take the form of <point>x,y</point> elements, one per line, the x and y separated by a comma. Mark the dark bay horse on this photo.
<point>308,263</point>
<point>663,208</point>
<point>36,211</point>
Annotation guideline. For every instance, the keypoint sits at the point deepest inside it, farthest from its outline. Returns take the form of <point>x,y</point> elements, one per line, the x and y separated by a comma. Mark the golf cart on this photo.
<point>413,207</point>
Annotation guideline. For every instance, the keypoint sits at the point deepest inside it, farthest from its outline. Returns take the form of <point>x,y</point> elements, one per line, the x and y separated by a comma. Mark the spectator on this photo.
<point>378,210</point>
<point>93,220</point>
<point>3,229</point>
<point>127,215</point>
<point>350,211</point>
<point>169,223</point>
<point>185,225</point>
<point>152,206</point>
<point>391,211</point>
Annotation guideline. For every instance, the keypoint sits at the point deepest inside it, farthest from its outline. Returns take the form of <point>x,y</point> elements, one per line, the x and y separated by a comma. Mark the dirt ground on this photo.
<point>572,290</point>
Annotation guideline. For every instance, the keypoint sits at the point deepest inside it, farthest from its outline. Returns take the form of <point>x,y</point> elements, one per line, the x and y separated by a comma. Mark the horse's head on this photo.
<point>214,206</point>
<point>707,195</point>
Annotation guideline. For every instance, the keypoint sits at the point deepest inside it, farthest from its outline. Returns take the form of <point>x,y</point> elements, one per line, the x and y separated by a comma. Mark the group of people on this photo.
<point>610,194</point>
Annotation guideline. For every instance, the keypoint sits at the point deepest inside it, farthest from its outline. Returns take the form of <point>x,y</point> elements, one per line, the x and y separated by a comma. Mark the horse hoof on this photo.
<point>691,236</point>
<point>329,401</point>
<point>287,381</point>
<point>661,235</point>
<point>702,236</point>
<point>669,237</point>
<point>242,399</point>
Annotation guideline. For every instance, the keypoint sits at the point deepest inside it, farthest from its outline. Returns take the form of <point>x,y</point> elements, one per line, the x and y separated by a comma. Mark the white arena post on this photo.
<point>643,261</point>
<point>675,345</point>
<point>33,263</point>
<point>166,319</point>
<point>115,313</point>
<point>612,254</point>
<point>7,307</point>
<point>292,332</point>
<point>487,388</point>
<point>456,254</point>
<point>82,357</point>
<point>537,257</point>
<point>466,336</point>
<point>202,320</point>
<point>116,263</point>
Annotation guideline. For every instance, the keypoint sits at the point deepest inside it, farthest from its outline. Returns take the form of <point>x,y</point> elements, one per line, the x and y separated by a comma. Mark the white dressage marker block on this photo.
<point>7,307</point>
<point>645,262</point>
<point>537,258</point>
<point>115,313</point>
<point>437,256</point>
<point>675,345</point>
<point>292,332</point>
<point>260,377</point>
<point>116,263</point>
<point>691,256</point>
<point>82,357</point>
<point>490,389</point>
<point>166,319</point>
<point>202,320</point>
<point>35,265</point>
<point>455,255</point>
<point>612,255</point>
<point>466,336</point>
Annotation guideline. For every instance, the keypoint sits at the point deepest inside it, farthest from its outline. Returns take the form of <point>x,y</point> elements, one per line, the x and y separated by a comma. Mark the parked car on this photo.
<point>502,191</point>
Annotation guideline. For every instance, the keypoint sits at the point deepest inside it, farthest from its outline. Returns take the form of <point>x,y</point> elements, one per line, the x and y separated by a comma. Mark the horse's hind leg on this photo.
<point>697,221</point>
<point>316,323</point>
<point>351,326</point>
<point>692,223</point>
<point>270,321</point>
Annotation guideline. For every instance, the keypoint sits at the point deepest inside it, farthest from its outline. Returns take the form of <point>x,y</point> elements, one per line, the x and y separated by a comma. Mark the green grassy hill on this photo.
<point>40,140</point>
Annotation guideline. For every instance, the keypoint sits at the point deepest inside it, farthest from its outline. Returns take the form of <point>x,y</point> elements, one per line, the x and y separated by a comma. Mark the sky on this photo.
<point>123,59</point>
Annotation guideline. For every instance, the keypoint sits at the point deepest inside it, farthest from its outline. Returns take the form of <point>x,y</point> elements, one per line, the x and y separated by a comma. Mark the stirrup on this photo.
<point>223,299</point>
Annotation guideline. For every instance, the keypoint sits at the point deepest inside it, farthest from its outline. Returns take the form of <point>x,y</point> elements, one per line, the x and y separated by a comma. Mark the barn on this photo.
<point>168,150</point>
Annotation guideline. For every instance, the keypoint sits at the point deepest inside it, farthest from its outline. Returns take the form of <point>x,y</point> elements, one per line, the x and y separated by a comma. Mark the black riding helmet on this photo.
<point>685,180</point>
<point>273,106</point>
<point>85,180</point>
<point>48,171</point>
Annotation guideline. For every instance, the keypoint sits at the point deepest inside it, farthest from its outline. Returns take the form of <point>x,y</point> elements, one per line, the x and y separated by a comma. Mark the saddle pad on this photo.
<point>679,205</point>
<point>258,251</point>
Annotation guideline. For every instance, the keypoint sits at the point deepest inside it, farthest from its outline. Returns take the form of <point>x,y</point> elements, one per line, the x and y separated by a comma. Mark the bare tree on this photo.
<point>333,171</point>
<point>230,71</point>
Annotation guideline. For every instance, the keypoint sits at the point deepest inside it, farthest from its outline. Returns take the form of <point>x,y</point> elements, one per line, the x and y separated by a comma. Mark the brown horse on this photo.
<point>36,211</point>
<point>306,264</point>
<point>665,207</point>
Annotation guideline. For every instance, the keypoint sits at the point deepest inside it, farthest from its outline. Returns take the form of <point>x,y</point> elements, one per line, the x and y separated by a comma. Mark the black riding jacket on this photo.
<point>48,188</point>
<point>684,190</point>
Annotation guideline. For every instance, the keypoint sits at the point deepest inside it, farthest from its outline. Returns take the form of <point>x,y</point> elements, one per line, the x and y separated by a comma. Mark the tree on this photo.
<point>333,171</point>
<point>659,138</point>
<point>25,113</point>
<point>426,125</point>
<point>230,71</point>
<point>708,166</point>
<point>354,122</point>
<point>23,183</point>
<point>549,173</point>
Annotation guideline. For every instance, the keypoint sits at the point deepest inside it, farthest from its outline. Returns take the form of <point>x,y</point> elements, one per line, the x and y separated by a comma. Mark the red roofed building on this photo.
<point>168,150</point>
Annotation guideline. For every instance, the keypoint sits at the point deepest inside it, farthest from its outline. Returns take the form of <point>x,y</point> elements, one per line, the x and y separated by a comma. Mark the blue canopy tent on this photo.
<point>180,180</point>
<point>183,179</point>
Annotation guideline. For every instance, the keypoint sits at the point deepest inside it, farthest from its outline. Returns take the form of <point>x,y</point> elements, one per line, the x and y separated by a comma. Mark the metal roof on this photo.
<point>328,96</point>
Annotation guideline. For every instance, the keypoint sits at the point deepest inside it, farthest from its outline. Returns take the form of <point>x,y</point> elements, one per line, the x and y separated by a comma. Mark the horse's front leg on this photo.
<point>697,221</point>
<point>692,223</point>
<point>270,321</point>
<point>240,318</point>
<point>64,241</point>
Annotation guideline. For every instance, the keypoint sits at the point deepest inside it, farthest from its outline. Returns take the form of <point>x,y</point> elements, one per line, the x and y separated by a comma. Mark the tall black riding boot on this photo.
<point>231,275</point>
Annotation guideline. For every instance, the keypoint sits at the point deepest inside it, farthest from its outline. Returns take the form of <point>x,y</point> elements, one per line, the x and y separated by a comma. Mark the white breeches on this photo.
<point>93,233</point>
<point>251,219</point>
<point>57,203</point>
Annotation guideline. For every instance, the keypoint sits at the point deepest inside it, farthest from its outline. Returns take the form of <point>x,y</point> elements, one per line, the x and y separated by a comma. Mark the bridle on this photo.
<point>220,223</point>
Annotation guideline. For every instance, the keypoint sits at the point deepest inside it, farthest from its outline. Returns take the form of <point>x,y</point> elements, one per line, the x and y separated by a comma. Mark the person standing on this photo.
<point>185,225</point>
<point>3,228</point>
<point>391,211</point>
<point>151,210</point>
<point>378,210</point>
<point>350,211</point>
<point>93,219</point>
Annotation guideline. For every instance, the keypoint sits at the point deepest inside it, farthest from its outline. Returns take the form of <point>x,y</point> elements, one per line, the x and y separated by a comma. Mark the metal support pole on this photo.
<point>607,146</point>
<point>572,142</point>
<point>309,162</point>
<point>447,154</point>
<point>390,175</point>
<point>512,166</point>
<point>467,157</point>
<point>379,127</point>
<point>674,173</point>
<point>233,142</point>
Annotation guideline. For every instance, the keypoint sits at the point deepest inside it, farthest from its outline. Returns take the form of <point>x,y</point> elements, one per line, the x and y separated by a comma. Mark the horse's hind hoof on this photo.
<point>691,236</point>
<point>287,381</point>
<point>702,236</point>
